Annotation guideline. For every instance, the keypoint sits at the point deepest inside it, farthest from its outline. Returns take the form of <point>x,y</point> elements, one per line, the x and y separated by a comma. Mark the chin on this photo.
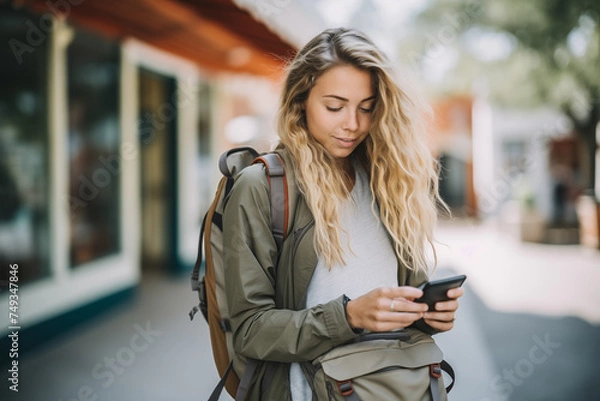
<point>341,154</point>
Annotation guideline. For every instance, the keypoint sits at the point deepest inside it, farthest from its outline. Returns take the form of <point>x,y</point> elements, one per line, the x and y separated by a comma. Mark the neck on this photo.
<point>344,164</point>
<point>346,169</point>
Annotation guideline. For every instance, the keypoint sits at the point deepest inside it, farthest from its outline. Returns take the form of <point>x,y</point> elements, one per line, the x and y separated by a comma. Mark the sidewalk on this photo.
<point>513,276</point>
<point>466,349</point>
<point>519,298</point>
<point>148,349</point>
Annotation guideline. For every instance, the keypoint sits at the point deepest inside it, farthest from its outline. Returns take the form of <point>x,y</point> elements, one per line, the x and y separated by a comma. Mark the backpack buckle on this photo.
<point>435,370</point>
<point>346,388</point>
<point>225,325</point>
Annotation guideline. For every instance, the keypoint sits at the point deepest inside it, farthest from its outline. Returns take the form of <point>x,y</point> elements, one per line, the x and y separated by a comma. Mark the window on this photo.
<point>24,177</point>
<point>94,137</point>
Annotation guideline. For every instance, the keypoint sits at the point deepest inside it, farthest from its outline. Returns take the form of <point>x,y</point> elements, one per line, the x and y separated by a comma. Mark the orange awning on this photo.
<point>215,34</point>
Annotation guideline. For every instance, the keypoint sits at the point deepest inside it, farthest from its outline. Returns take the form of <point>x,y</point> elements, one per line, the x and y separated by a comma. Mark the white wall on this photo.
<point>492,128</point>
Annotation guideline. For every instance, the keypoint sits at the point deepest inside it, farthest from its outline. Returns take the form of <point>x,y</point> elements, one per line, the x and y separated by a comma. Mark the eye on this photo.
<point>367,107</point>
<point>334,109</point>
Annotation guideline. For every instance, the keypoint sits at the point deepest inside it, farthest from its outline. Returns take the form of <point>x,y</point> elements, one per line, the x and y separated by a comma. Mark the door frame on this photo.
<point>185,208</point>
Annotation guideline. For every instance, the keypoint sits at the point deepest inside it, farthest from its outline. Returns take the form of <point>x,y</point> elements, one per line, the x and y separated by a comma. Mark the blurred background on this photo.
<point>113,115</point>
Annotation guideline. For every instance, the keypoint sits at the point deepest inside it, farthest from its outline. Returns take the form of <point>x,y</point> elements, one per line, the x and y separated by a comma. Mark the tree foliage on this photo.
<point>553,54</point>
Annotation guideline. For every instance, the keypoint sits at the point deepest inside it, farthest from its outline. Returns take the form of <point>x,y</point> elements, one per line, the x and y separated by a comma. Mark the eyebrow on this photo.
<point>343,99</point>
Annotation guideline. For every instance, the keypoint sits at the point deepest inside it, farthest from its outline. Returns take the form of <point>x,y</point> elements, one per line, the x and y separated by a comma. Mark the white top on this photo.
<point>370,264</point>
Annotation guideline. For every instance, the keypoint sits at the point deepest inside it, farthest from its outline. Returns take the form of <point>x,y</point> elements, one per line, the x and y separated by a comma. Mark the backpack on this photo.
<point>400,365</point>
<point>210,288</point>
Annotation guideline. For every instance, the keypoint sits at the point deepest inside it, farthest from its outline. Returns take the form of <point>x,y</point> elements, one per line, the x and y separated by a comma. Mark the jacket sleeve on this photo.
<point>261,330</point>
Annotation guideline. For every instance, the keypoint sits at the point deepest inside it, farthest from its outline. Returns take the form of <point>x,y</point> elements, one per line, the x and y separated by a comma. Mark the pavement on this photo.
<point>513,276</point>
<point>528,329</point>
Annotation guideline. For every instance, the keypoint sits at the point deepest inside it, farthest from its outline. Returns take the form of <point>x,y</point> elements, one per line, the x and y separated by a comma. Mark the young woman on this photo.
<point>351,141</point>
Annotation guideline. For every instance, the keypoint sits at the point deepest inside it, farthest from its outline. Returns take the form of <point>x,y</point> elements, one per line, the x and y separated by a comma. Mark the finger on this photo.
<point>455,293</point>
<point>403,292</point>
<point>440,316</point>
<point>405,305</point>
<point>392,320</point>
<point>446,306</point>
<point>386,326</point>
<point>400,317</point>
<point>441,326</point>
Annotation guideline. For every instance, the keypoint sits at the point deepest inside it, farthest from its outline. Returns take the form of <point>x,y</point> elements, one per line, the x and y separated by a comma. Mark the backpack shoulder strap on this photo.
<point>279,195</point>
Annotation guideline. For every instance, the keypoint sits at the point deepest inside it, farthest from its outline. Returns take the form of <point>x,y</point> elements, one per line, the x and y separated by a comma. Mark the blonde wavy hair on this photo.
<point>403,173</point>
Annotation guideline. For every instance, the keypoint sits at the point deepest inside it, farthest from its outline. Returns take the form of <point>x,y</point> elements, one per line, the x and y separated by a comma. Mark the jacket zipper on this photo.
<point>298,235</point>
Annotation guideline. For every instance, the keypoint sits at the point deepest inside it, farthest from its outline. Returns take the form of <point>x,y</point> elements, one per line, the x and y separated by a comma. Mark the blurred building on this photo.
<point>451,142</point>
<point>521,167</point>
<point>527,172</point>
<point>111,114</point>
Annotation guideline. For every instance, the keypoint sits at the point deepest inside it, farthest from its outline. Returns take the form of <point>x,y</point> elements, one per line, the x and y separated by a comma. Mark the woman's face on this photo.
<point>339,108</point>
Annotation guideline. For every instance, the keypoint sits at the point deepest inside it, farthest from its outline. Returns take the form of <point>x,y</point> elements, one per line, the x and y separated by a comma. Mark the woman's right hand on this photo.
<point>385,309</point>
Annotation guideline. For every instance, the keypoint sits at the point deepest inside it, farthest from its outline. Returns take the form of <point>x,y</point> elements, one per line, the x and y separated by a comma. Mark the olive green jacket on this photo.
<point>267,298</point>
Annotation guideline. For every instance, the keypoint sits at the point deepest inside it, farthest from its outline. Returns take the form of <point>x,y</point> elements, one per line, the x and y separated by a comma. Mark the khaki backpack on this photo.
<point>211,288</point>
<point>402,365</point>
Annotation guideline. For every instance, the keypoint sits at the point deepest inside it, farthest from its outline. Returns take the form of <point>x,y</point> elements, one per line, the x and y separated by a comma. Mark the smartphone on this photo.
<point>435,291</point>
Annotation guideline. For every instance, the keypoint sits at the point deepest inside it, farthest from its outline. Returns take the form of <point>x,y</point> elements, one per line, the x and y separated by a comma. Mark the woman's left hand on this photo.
<point>443,317</point>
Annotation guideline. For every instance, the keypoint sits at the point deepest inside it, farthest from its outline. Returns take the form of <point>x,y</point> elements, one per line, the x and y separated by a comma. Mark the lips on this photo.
<point>345,142</point>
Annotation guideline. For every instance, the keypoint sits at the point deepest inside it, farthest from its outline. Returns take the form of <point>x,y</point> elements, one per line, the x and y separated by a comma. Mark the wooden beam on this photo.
<point>174,27</point>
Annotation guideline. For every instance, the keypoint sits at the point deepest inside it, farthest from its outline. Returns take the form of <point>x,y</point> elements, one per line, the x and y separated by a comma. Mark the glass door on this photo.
<point>158,179</point>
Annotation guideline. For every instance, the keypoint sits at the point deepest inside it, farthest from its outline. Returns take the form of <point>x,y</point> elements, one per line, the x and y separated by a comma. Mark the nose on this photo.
<point>351,123</point>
